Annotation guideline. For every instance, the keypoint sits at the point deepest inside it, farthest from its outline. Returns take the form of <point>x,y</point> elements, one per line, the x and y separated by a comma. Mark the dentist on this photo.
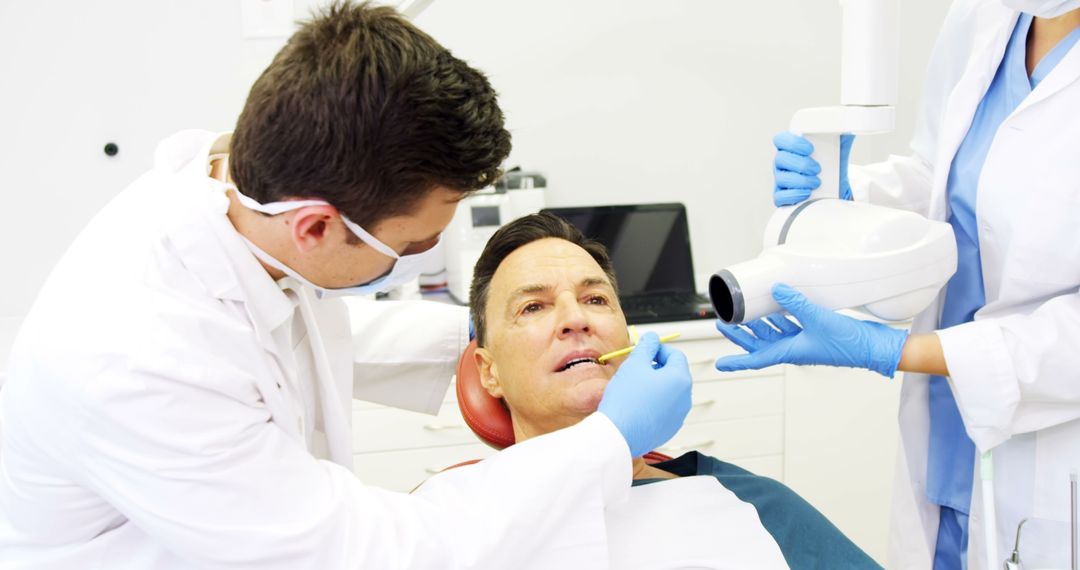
<point>180,393</point>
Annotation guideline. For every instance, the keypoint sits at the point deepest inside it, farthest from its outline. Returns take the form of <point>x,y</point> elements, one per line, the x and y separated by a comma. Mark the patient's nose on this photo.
<point>573,319</point>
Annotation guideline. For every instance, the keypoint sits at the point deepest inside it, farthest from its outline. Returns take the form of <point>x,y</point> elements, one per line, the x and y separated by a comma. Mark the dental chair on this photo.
<point>486,415</point>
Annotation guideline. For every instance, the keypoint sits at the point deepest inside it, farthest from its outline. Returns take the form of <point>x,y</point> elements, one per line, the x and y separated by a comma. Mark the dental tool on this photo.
<point>624,351</point>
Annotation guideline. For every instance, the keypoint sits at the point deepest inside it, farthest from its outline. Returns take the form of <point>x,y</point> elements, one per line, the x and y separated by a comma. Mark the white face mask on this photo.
<point>405,269</point>
<point>1043,8</point>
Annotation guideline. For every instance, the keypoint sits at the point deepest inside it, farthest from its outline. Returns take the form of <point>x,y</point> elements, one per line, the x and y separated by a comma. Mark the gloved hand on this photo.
<point>824,338</point>
<point>648,402</point>
<point>795,173</point>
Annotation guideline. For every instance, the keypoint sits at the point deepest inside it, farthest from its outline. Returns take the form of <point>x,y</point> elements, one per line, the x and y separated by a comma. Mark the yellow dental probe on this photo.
<point>629,349</point>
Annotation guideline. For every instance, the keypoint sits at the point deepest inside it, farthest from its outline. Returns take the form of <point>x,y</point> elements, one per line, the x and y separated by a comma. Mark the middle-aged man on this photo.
<point>179,394</point>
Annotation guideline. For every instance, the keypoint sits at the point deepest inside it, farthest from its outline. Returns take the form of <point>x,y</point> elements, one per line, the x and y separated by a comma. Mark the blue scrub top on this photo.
<point>951,463</point>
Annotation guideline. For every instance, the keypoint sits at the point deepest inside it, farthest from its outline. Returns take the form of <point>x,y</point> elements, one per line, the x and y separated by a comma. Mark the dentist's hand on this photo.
<point>825,338</point>
<point>795,172</point>
<point>648,402</point>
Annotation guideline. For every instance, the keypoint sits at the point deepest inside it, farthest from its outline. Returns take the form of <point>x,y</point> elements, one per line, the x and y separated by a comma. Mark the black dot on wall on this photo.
<point>111,149</point>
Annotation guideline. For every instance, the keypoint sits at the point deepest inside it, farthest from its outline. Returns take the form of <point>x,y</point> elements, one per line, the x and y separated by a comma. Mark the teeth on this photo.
<point>577,361</point>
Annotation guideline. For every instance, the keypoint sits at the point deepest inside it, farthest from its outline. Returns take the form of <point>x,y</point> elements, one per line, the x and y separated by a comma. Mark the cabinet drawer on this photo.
<point>733,438</point>
<point>737,398</point>
<point>702,355</point>
<point>404,470</point>
<point>382,429</point>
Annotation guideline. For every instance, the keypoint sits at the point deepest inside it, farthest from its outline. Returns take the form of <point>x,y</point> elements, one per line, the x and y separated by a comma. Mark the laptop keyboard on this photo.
<point>667,307</point>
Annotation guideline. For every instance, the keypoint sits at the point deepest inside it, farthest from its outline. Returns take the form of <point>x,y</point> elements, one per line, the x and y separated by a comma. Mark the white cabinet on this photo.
<point>828,433</point>
<point>840,444</point>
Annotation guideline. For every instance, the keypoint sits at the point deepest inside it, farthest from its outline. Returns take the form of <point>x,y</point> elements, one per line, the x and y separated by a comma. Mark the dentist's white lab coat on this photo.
<point>165,409</point>
<point>1015,370</point>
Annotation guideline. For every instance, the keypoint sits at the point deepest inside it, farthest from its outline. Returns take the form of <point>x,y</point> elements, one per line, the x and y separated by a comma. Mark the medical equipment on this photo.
<point>478,217</point>
<point>624,351</point>
<point>1013,562</point>
<point>843,254</point>
<point>891,263</point>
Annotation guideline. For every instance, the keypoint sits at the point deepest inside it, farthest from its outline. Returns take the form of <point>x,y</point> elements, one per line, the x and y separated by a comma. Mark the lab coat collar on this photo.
<point>1066,72</point>
<point>207,241</point>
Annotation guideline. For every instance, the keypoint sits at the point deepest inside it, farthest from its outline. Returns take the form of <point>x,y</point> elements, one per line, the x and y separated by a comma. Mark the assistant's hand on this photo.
<point>648,402</point>
<point>795,172</point>
<point>825,337</point>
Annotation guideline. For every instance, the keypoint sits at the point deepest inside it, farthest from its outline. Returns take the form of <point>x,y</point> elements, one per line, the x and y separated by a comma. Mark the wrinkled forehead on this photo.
<point>551,263</point>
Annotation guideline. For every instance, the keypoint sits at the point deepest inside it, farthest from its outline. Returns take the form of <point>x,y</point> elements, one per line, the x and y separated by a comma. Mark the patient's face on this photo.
<point>551,312</point>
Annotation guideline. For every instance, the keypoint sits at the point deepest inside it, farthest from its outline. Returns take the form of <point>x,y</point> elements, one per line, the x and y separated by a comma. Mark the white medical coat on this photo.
<point>1015,370</point>
<point>678,524</point>
<point>162,412</point>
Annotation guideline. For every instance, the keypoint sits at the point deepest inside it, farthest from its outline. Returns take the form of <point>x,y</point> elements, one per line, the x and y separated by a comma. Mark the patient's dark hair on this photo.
<point>514,235</point>
<point>365,111</point>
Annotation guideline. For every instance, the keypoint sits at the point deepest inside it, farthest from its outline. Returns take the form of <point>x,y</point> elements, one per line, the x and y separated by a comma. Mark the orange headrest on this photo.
<point>485,414</point>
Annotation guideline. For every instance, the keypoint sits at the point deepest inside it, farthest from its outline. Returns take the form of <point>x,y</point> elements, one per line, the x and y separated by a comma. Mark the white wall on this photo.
<point>618,101</point>
<point>75,75</point>
<point>624,101</point>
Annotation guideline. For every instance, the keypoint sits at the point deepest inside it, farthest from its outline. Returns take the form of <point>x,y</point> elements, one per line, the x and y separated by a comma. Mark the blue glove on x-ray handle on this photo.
<point>825,338</point>
<point>795,172</point>
<point>648,402</point>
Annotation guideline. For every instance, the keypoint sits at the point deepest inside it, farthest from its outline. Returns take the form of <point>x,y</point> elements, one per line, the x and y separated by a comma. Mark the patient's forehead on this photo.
<point>550,262</point>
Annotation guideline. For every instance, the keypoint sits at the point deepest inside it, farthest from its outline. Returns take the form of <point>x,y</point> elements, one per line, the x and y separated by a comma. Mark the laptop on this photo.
<point>649,245</point>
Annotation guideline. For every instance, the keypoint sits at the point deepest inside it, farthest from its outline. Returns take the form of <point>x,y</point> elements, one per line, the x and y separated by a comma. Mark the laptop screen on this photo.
<point>648,243</point>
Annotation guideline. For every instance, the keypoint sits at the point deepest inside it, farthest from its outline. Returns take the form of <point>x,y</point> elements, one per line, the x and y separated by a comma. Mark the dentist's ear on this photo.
<point>311,225</point>
<point>489,373</point>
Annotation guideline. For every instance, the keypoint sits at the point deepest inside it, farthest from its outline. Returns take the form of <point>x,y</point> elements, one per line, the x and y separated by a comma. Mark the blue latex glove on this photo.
<point>795,172</point>
<point>472,328</point>
<point>648,402</point>
<point>825,338</point>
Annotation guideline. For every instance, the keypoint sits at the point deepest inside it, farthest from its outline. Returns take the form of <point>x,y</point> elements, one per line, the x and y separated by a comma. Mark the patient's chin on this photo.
<point>585,397</point>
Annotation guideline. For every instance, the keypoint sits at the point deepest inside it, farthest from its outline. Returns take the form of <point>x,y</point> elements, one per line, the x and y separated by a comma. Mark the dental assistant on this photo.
<point>180,394</point>
<point>995,363</point>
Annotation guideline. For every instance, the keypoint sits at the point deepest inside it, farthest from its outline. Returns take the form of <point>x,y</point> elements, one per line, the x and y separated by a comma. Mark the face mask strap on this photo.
<point>275,208</point>
<point>368,238</point>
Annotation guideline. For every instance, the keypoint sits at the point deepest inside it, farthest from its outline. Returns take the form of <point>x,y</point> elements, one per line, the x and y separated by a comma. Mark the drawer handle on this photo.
<point>681,448</point>
<point>441,427</point>
<point>703,403</point>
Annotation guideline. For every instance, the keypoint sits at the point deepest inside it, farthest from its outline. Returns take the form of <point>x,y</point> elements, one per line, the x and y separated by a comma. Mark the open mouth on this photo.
<point>577,362</point>
<point>578,359</point>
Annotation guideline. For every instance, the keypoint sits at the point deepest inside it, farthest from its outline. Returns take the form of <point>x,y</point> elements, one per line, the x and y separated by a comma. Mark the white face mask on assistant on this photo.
<point>405,268</point>
<point>1043,8</point>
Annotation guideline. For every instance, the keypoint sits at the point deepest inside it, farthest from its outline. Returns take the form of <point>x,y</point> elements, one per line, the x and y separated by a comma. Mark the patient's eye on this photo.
<point>597,300</point>
<point>532,307</point>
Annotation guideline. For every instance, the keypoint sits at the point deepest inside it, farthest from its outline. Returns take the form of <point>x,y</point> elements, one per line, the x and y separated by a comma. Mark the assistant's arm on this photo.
<point>923,353</point>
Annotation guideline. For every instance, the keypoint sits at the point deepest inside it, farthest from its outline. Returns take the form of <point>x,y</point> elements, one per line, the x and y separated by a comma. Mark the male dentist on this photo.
<point>179,395</point>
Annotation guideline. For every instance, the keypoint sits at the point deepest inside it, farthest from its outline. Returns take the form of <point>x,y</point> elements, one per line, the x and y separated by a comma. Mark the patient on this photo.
<point>545,305</point>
